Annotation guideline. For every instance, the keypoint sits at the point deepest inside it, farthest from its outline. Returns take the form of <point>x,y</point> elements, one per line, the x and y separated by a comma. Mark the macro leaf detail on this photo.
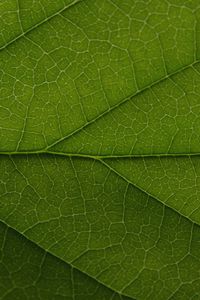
<point>99,149</point>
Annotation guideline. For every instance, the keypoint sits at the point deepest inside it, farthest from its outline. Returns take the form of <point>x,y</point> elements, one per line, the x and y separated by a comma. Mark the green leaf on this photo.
<point>99,149</point>
<point>84,213</point>
<point>28,272</point>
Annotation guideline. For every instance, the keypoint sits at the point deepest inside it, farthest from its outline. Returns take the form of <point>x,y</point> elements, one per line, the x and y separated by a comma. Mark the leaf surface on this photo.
<point>28,272</point>
<point>99,149</point>
<point>70,70</point>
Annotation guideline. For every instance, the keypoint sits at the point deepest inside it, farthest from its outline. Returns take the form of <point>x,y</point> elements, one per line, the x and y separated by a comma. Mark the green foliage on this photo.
<point>100,168</point>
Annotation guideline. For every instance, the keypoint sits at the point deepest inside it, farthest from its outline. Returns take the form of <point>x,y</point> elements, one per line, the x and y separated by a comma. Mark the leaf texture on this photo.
<point>28,272</point>
<point>99,149</point>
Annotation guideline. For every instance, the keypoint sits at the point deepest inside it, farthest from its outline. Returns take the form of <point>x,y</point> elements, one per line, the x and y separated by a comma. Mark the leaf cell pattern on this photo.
<point>99,149</point>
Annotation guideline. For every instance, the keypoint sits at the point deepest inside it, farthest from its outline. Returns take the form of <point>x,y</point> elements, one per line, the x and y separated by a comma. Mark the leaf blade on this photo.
<point>160,238</point>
